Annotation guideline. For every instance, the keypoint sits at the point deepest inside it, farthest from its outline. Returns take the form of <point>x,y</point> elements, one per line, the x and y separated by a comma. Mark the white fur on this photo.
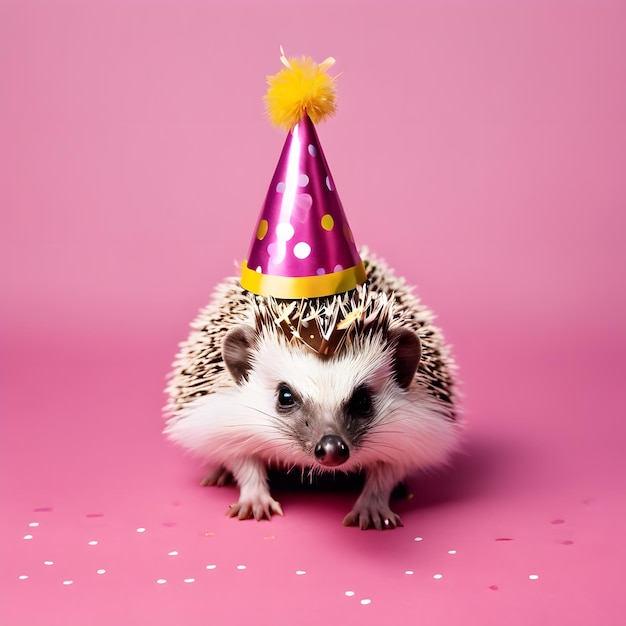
<point>241,430</point>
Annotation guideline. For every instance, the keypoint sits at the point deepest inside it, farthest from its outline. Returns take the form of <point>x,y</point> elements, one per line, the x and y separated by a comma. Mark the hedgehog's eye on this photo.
<point>360,404</point>
<point>285,397</point>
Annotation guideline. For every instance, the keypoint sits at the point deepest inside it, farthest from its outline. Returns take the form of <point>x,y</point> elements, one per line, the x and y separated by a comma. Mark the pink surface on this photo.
<point>479,148</point>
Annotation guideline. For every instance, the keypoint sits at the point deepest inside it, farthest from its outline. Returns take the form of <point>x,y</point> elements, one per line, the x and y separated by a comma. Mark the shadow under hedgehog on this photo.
<point>317,358</point>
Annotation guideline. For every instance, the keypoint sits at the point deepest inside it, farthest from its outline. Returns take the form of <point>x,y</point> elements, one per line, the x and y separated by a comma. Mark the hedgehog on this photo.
<point>357,383</point>
<point>318,359</point>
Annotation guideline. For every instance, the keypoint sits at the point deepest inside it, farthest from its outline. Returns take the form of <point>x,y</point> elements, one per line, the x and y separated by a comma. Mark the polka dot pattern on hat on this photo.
<point>303,230</point>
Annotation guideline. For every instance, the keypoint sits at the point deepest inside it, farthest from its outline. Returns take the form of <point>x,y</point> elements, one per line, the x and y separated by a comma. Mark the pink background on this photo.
<point>480,148</point>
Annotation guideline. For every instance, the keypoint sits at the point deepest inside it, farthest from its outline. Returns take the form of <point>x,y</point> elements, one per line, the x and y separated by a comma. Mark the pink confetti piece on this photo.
<point>557,521</point>
<point>494,587</point>
<point>43,509</point>
<point>504,539</point>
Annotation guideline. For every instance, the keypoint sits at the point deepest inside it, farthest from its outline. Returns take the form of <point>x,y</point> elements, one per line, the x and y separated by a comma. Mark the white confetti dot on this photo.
<point>302,250</point>
<point>451,551</point>
<point>241,567</point>
<point>141,530</point>
<point>366,601</point>
<point>438,576</point>
<point>303,180</point>
<point>338,268</point>
<point>418,539</point>
<point>312,150</point>
<point>68,582</point>
<point>321,271</point>
<point>48,562</point>
<point>101,571</point>
<point>300,572</point>
<point>28,536</point>
<point>161,581</point>
<point>173,553</point>
<point>92,543</point>
<point>34,524</point>
<point>23,577</point>
<point>280,187</point>
<point>284,231</point>
<point>349,593</point>
<point>328,184</point>
<point>533,576</point>
<point>409,572</point>
<point>211,566</point>
<point>189,580</point>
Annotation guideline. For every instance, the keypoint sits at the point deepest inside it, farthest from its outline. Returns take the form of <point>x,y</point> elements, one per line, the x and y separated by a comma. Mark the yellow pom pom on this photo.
<point>302,85</point>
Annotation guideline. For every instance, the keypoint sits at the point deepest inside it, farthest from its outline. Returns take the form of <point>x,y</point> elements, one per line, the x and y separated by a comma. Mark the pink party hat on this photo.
<point>303,246</point>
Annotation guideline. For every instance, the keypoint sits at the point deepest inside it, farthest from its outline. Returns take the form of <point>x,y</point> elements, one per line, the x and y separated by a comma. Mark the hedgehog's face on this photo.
<point>322,409</point>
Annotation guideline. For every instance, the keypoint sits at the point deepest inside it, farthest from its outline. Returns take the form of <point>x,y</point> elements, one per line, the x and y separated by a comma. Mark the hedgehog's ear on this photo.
<point>407,354</point>
<point>237,350</point>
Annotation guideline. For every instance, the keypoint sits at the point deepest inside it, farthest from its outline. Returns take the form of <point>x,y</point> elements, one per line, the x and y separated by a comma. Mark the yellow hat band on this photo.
<point>298,287</point>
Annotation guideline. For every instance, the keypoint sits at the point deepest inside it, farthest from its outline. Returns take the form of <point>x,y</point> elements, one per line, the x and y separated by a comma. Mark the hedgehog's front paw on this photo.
<point>378,517</point>
<point>262,507</point>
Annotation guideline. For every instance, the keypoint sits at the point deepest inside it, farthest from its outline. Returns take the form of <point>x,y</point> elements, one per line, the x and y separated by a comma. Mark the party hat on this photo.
<point>303,246</point>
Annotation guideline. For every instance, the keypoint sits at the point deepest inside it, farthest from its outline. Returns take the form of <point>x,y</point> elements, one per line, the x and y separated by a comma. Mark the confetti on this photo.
<point>141,529</point>
<point>567,542</point>
<point>494,587</point>
<point>211,566</point>
<point>92,543</point>
<point>68,582</point>
<point>101,571</point>
<point>173,553</point>
<point>504,539</point>
<point>451,551</point>
<point>28,537</point>
<point>409,572</point>
<point>366,601</point>
<point>48,562</point>
<point>23,577</point>
<point>418,539</point>
<point>557,521</point>
<point>189,580</point>
<point>241,567</point>
<point>438,576</point>
<point>533,576</point>
<point>300,572</point>
<point>161,581</point>
<point>34,524</point>
<point>349,593</point>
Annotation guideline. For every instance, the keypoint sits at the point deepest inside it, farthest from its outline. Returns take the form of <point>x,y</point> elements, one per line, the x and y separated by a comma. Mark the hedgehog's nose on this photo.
<point>331,451</point>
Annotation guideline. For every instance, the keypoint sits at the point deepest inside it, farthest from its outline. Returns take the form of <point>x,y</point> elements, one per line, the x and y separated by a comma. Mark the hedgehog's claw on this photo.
<point>366,518</point>
<point>259,510</point>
